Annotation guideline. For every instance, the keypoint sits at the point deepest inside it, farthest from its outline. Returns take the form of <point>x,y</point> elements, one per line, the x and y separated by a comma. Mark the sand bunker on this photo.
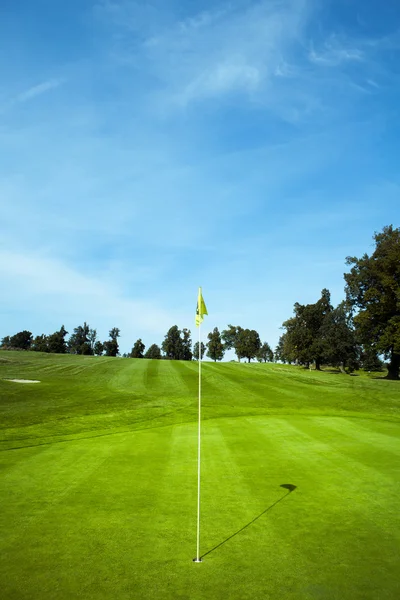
<point>24,380</point>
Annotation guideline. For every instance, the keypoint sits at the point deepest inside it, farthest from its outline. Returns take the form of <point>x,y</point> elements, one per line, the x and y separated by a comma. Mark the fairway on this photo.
<point>98,481</point>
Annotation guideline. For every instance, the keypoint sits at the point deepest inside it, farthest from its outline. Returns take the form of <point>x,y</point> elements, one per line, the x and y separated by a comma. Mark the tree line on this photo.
<point>177,344</point>
<point>83,340</point>
<point>363,327</point>
<point>357,333</point>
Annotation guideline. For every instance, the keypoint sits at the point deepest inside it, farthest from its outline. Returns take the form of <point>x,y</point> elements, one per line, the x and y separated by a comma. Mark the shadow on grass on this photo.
<point>287,486</point>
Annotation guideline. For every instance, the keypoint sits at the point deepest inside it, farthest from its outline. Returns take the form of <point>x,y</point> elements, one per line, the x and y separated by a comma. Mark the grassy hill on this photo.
<point>87,395</point>
<point>98,481</point>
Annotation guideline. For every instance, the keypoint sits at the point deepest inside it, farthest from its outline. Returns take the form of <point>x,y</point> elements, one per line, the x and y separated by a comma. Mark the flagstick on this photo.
<point>198,559</point>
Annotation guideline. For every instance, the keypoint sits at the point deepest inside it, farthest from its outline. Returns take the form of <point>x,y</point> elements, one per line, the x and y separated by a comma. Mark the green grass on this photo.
<point>98,481</point>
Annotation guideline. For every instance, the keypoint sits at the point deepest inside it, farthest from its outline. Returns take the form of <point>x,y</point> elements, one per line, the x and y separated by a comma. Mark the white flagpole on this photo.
<point>198,559</point>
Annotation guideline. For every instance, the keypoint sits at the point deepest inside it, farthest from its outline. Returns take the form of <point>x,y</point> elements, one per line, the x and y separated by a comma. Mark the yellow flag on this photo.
<point>201,309</point>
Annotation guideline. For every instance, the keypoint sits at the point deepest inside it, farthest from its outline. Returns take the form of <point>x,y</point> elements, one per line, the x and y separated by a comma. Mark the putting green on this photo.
<point>98,479</point>
<point>115,517</point>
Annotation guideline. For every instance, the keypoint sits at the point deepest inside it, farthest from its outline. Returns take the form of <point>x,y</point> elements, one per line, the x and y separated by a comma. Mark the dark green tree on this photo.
<point>370,361</point>
<point>114,333</point>
<point>248,344</point>
<point>153,352</point>
<point>111,346</point>
<point>5,342</point>
<point>303,331</point>
<point>196,350</point>
<point>40,343</point>
<point>265,353</point>
<point>215,346</point>
<point>186,345</point>
<point>284,352</point>
<point>373,291</point>
<point>339,344</point>
<point>79,342</point>
<point>230,337</point>
<point>98,348</point>
<point>279,350</point>
<point>92,335</point>
<point>177,344</point>
<point>172,344</point>
<point>138,349</point>
<point>21,340</point>
<point>56,341</point>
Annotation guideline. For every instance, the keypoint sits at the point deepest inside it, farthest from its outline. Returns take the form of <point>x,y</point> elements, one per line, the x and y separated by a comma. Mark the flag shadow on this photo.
<point>288,486</point>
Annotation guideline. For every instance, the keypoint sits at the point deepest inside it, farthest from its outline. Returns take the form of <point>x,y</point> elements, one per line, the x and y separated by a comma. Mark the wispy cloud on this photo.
<point>335,52</point>
<point>266,54</point>
<point>70,296</point>
<point>39,89</point>
<point>220,79</point>
<point>231,49</point>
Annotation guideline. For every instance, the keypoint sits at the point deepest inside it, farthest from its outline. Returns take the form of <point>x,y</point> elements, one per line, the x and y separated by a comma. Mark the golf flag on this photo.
<point>201,309</point>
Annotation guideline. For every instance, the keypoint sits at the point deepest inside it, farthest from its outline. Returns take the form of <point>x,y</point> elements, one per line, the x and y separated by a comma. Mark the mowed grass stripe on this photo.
<point>150,376</point>
<point>363,493</point>
<point>94,526</point>
<point>261,526</point>
<point>366,433</point>
<point>225,501</point>
<point>37,479</point>
<point>333,518</point>
<point>235,384</point>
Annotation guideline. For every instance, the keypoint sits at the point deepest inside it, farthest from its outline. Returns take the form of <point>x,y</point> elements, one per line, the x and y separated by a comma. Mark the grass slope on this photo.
<point>98,481</point>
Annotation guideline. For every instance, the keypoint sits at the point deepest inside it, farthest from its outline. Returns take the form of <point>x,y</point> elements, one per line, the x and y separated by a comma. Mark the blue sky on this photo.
<point>147,148</point>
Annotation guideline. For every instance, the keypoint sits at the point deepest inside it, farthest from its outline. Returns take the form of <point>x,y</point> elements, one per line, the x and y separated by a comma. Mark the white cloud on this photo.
<point>39,89</point>
<point>49,285</point>
<point>267,53</point>
<point>233,48</point>
<point>334,52</point>
<point>203,19</point>
<point>220,79</point>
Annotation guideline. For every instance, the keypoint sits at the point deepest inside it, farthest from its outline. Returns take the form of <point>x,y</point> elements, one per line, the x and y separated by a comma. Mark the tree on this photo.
<point>5,342</point>
<point>79,343</point>
<point>265,353</point>
<point>230,338</point>
<point>153,352</point>
<point>215,346</point>
<point>177,344</point>
<point>284,351</point>
<point>56,341</point>
<point>196,350</point>
<point>21,340</point>
<point>98,348</point>
<point>92,336</point>
<point>370,361</point>
<point>40,343</point>
<point>303,339</point>
<point>339,344</point>
<point>279,350</point>
<point>111,346</point>
<point>114,333</point>
<point>138,349</point>
<point>186,353</point>
<point>248,343</point>
<point>373,292</point>
<point>172,344</point>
